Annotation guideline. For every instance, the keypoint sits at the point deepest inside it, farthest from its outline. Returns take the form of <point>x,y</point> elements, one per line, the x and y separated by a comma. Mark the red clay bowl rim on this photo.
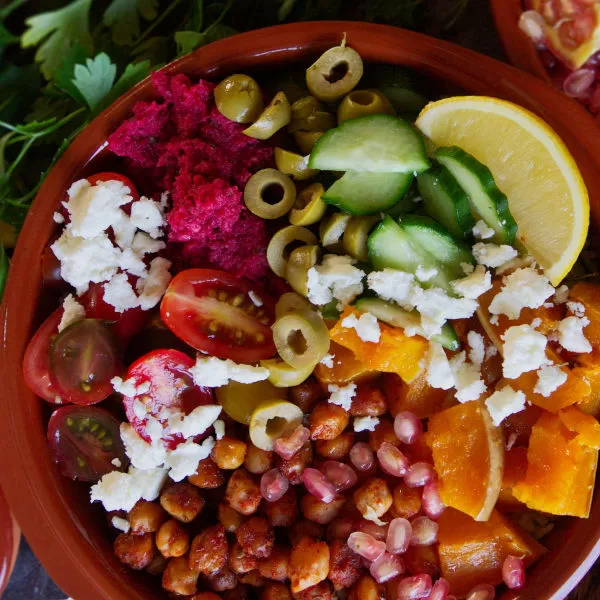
<point>68,553</point>
<point>10,537</point>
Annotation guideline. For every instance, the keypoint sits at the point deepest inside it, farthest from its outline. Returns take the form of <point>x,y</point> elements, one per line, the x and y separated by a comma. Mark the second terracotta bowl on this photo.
<point>71,537</point>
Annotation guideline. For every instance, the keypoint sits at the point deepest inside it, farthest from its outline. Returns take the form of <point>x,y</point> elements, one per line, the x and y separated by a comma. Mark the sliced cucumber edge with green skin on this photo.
<point>398,317</point>
<point>486,200</point>
<point>373,143</point>
<point>364,193</point>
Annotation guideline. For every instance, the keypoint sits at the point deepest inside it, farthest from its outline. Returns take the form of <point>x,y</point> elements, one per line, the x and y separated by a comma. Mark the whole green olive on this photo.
<point>360,103</point>
<point>277,115</point>
<point>306,140</point>
<point>256,194</point>
<point>238,97</point>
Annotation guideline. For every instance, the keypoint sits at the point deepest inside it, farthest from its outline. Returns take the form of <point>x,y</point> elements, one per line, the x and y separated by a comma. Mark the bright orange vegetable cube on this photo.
<point>585,426</point>
<point>515,469</point>
<point>417,396</point>
<point>589,295</point>
<point>346,367</point>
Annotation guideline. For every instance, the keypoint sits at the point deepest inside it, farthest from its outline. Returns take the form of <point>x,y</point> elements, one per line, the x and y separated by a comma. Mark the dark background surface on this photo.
<point>30,581</point>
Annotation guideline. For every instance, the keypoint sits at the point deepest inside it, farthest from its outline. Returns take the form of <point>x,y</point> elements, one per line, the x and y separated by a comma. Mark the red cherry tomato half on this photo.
<point>84,441</point>
<point>212,311</point>
<point>36,362</point>
<point>83,359</point>
<point>108,176</point>
<point>171,388</point>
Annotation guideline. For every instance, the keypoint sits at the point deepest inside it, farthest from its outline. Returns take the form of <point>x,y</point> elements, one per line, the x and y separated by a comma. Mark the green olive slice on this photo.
<point>293,164</point>
<point>278,114</point>
<point>300,261</point>
<point>309,207</point>
<point>335,73</point>
<point>265,184</point>
<point>305,107</point>
<point>289,302</point>
<point>360,103</point>
<point>306,140</point>
<point>278,251</point>
<point>356,234</point>
<point>332,229</point>
<point>282,375</point>
<point>301,338</point>
<point>319,121</point>
<point>238,97</point>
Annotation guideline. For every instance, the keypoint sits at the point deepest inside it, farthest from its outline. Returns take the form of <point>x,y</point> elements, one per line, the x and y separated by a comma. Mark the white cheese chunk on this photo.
<point>366,326</point>
<point>183,461</point>
<point>424,274</point>
<point>550,378</point>
<point>255,298</point>
<point>392,285</point>
<point>119,293</point>
<point>571,336</point>
<point>492,255</point>
<point>476,347</point>
<point>58,218</point>
<point>146,214</point>
<point>577,308</point>
<point>342,396</point>
<point>197,422</point>
<point>219,429</point>
<point>467,268</point>
<point>142,454</point>
<point>467,378</point>
<point>327,361</point>
<point>524,349</point>
<point>72,312</point>
<point>561,295</point>
<point>335,278</point>
<point>133,263</point>
<point>143,244</point>
<point>116,462</point>
<point>438,372</point>
<point>153,287</point>
<point>482,232</point>
<point>475,284</point>
<point>121,524</point>
<point>129,387</point>
<point>365,423</point>
<point>213,372</point>
<point>505,402</point>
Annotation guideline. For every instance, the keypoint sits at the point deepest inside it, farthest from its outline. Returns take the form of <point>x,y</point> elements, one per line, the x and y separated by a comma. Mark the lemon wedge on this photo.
<point>272,419</point>
<point>530,164</point>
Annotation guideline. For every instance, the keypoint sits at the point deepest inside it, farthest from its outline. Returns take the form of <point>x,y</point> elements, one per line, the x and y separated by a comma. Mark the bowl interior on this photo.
<point>71,537</point>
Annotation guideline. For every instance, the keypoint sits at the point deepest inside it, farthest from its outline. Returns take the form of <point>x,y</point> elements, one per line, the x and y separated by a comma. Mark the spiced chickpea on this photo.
<point>341,527</point>
<point>256,536</point>
<point>172,539</point>
<point>309,563</point>
<point>337,448</point>
<point>222,580</point>
<point>369,401</point>
<point>406,502</point>
<point>252,578</point>
<point>275,591</point>
<point>179,578</point>
<point>135,551</point>
<point>345,566</point>
<point>239,592</point>
<point>229,518</point>
<point>307,394</point>
<point>384,432</point>
<point>302,528</point>
<point>327,421</point>
<point>292,469</point>
<point>243,492</point>
<point>209,550</point>
<point>208,475</point>
<point>229,453</point>
<point>321,591</point>
<point>182,501</point>
<point>257,461</point>
<point>276,565</point>
<point>146,517</point>
<point>373,496</point>
<point>366,588</point>
<point>157,565</point>
<point>241,562</point>
<point>319,512</point>
<point>284,511</point>
<point>205,596</point>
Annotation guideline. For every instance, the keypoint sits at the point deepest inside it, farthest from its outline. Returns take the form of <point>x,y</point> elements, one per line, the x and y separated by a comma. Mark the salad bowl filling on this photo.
<point>310,347</point>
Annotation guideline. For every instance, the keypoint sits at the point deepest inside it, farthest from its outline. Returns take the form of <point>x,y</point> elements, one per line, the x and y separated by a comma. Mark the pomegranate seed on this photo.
<point>578,83</point>
<point>440,590</point>
<point>273,485</point>
<point>419,474</point>
<point>513,573</point>
<point>483,591</point>
<point>379,532</point>
<point>398,537</point>
<point>287,446</point>
<point>342,476</point>
<point>386,567</point>
<point>365,545</point>
<point>424,532</point>
<point>532,24</point>
<point>431,502</point>
<point>407,427</point>
<point>318,485</point>
<point>362,457</point>
<point>391,460</point>
<point>412,588</point>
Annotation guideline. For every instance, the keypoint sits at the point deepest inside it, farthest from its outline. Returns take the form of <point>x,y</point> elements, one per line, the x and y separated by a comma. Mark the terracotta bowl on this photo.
<point>68,535</point>
<point>10,536</point>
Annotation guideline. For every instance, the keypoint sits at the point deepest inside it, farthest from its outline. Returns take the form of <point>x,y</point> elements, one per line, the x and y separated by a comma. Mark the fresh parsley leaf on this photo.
<point>19,86</point>
<point>4,264</point>
<point>95,80</point>
<point>123,17</point>
<point>6,37</point>
<point>157,49</point>
<point>134,73</point>
<point>187,41</point>
<point>56,31</point>
<point>287,6</point>
<point>65,73</point>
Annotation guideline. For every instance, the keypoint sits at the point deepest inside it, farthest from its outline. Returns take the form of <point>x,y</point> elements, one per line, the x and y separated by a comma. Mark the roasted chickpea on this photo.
<point>241,562</point>
<point>373,496</point>
<point>369,401</point>
<point>384,432</point>
<point>327,421</point>
<point>345,566</point>
<point>243,492</point>
<point>302,528</point>
<point>208,553</point>
<point>222,580</point>
<point>406,502</point>
<point>158,564</point>
<point>182,501</point>
<point>276,565</point>
<point>275,591</point>
<point>229,518</point>
<point>208,475</point>
<point>284,511</point>
<point>135,551</point>
<point>229,453</point>
<point>257,461</point>
<point>238,97</point>
<point>205,596</point>
<point>319,512</point>
<point>292,469</point>
<point>337,448</point>
<point>252,578</point>
<point>366,588</point>
<point>340,528</point>
<point>309,563</point>
<point>307,394</point>
<point>321,591</point>
<point>179,578</point>
<point>146,517</point>
<point>256,536</point>
<point>172,539</point>
<point>239,592</point>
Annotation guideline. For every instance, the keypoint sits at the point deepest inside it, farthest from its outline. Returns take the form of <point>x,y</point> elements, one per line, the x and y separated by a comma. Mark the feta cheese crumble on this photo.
<point>327,361</point>
<point>121,524</point>
<point>476,347</point>
<point>129,387</point>
<point>214,372</point>
<point>365,423</point>
<point>524,349</point>
<point>424,274</point>
<point>335,278</point>
<point>392,285</point>
<point>523,288</point>
<point>152,287</point>
<point>467,378</point>
<point>550,378</point>
<point>58,218</point>
<point>342,396</point>
<point>72,312</point>
<point>505,402</point>
<point>142,454</point>
<point>475,284</point>
<point>438,373</point>
<point>571,336</point>
<point>255,298</point>
<point>219,429</point>
<point>119,293</point>
<point>493,255</point>
<point>481,231</point>
<point>197,422</point>
<point>184,460</point>
<point>147,215</point>
<point>577,308</point>
<point>366,326</point>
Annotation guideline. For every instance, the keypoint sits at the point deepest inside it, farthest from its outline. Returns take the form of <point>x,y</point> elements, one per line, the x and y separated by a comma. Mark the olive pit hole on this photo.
<point>362,97</point>
<point>297,342</point>
<point>338,72</point>
<point>276,426</point>
<point>273,193</point>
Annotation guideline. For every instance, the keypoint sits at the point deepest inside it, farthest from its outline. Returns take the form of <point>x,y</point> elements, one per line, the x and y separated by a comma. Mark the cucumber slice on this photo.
<point>374,143</point>
<point>367,193</point>
<point>486,200</point>
<point>410,202</point>
<point>446,201</point>
<point>398,317</point>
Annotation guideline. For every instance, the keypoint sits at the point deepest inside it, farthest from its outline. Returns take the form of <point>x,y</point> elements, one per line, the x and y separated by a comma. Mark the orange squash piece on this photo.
<point>560,471</point>
<point>515,469</point>
<point>394,353</point>
<point>422,559</point>
<point>589,371</point>
<point>417,396</point>
<point>346,368</point>
<point>585,426</point>
<point>517,427</point>
<point>589,295</point>
<point>472,552</point>
<point>468,456</point>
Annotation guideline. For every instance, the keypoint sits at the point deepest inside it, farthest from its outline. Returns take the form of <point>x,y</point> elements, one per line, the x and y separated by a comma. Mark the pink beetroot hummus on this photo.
<point>183,144</point>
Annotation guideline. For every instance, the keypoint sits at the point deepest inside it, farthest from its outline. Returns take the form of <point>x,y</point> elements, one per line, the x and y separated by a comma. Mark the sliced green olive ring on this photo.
<point>258,188</point>
<point>356,234</point>
<point>301,338</point>
<point>309,207</point>
<point>360,103</point>
<point>300,261</point>
<point>318,121</point>
<point>238,97</point>
<point>277,115</point>
<point>278,251</point>
<point>305,107</point>
<point>306,140</point>
<point>332,229</point>
<point>281,375</point>
<point>293,164</point>
<point>289,302</point>
<point>334,74</point>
